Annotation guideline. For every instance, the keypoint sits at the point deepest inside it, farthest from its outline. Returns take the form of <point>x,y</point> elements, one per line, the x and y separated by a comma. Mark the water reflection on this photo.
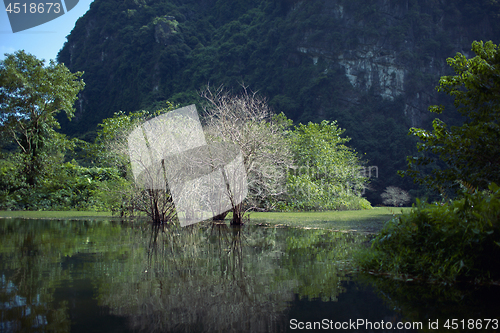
<point>212,279</point>
<point>102,276</point>
<point>439,303</point>
<point>27,280</point>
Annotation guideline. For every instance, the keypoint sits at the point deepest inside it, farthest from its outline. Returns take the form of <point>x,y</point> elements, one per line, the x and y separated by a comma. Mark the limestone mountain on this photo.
<point>370,64</point>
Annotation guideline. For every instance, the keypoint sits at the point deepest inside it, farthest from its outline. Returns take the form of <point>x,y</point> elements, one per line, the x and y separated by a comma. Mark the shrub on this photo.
<point>458,240</point>
<point>69,187</point>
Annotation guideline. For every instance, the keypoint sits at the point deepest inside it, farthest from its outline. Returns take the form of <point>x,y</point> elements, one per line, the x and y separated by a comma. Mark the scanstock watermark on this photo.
<point>358,324</point>
<point>367,325</point>
<point>28,14</point>
<point>346,179</point>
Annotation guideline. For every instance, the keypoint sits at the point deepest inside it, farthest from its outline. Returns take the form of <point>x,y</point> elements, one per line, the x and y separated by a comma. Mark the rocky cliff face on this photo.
<point>369,65</point>
<point>394,49</point>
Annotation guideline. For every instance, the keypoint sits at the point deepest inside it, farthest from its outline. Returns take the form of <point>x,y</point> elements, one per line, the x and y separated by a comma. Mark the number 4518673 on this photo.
<point>33,8</point>
<point>473,324</point>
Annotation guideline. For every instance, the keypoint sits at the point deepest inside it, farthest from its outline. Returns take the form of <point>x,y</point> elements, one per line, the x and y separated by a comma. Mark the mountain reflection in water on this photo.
<point>110,276</point>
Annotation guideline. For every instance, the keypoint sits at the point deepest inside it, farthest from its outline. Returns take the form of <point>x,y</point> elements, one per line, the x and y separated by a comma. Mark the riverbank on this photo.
<point>371,220</point>
<point>55,215</point>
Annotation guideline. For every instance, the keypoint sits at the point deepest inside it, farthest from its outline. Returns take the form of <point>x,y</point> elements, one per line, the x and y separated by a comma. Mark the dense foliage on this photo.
<point>37,171</point>
<point>327,175</point>
<point>452,241</point>
<point>307,168</point>
<point>68,186</point>
<point>471,152</point>
<point>279,162</point>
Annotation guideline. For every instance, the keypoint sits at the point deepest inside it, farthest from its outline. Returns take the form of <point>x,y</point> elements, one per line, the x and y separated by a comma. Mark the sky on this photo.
<point>43,41</point>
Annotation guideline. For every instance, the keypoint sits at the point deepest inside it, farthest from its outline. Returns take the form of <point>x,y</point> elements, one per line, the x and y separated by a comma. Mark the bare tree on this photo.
<point>247,121</point>
<point>395,196</point>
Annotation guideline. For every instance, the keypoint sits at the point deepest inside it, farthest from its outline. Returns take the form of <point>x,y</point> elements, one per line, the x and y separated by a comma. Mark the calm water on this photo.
<point>108,276</point>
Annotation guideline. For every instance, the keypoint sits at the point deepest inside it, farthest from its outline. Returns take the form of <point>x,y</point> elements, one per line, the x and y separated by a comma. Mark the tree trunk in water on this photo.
<point>155,212</point>
<point>237,215</point>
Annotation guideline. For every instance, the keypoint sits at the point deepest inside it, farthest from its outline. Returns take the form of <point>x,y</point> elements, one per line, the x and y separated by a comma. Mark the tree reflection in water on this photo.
<point>199,279</point>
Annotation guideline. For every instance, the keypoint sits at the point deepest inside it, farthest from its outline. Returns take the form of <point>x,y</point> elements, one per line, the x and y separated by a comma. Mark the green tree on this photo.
<point>327,174</point>
<point>111,150</point>
<point>471,152</point>
<point>31,95</point>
